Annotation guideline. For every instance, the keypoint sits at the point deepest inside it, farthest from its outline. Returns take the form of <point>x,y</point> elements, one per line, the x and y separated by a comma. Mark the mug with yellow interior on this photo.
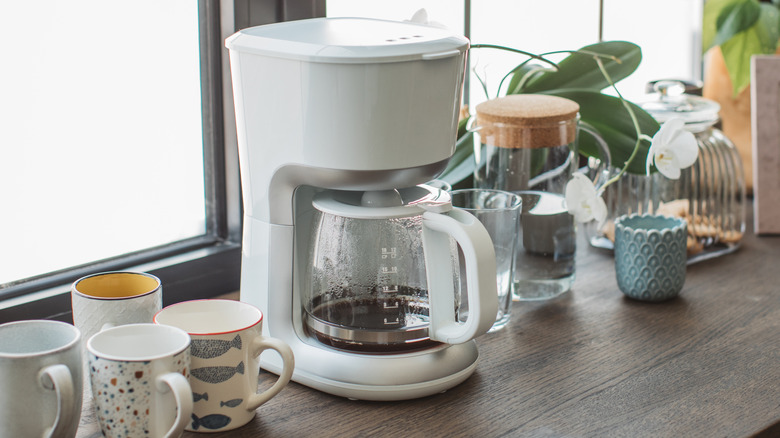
<point>110,299</point>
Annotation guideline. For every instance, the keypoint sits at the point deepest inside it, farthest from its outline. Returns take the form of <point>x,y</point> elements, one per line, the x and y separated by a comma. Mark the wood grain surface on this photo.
<point>589,364</point>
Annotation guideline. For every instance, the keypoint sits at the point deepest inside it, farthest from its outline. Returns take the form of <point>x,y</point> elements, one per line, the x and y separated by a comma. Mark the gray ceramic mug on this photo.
<point>41,375</point>
<point>650,256</point>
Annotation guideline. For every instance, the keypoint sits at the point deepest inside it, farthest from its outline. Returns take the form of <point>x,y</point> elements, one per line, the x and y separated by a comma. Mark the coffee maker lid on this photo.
<point>348,41</point>
<point>383,204</point>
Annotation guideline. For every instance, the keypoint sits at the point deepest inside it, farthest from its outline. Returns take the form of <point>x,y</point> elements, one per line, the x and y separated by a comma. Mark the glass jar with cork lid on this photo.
<point>527,144</point>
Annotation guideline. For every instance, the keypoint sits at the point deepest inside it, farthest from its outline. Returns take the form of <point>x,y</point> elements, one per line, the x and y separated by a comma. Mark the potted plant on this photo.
<point>582,77</point>
<point>732,32</point>
<point>625,127</point>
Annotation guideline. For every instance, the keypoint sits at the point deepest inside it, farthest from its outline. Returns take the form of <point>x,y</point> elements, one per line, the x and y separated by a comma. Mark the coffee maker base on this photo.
<point>382,377</point>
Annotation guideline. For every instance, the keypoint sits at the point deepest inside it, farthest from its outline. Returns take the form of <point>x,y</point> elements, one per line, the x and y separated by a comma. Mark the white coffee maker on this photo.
<point>350,105</point>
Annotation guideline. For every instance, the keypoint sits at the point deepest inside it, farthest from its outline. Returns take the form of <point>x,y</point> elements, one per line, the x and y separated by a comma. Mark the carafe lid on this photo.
<point>383,204</point>
<point>670,100</point>
<point>349,41</point>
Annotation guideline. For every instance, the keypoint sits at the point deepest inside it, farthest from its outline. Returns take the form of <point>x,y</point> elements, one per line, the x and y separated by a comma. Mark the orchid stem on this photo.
<point>596,55</point>
<point>639,135</point>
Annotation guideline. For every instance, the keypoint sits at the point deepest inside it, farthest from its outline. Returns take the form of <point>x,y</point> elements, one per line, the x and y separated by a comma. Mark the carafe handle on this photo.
<point>480,260</point>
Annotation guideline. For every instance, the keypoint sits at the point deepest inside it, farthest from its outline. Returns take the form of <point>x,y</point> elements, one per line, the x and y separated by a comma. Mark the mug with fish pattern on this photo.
<point>226,345</point>
<point>139,375</point>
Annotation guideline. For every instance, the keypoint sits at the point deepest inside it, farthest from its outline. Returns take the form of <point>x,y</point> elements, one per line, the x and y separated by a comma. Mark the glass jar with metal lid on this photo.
<point>710,195</point>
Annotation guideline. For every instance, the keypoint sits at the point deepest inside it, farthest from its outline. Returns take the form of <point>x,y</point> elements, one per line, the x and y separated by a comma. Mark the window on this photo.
<point>114,151</point>
<point>668,31</point>
<point>103,140</point>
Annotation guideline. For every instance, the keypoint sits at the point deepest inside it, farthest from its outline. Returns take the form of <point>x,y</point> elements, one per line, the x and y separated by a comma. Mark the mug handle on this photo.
<point>480,259</point>
<point>182,393</point>
<point>58,378</point>
<point>259,345</point>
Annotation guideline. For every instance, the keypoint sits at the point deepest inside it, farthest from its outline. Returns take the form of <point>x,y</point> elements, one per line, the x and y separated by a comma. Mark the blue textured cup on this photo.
<point>650,256</point>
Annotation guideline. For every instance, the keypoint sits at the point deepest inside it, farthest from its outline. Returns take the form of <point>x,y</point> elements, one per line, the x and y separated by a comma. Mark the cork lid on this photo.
<point>528,121</point>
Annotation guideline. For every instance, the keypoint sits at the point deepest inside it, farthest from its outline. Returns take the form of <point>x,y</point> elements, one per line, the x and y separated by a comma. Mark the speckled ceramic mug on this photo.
<point>139,375</point>
<point>650,256</point>
<point>226,345</point>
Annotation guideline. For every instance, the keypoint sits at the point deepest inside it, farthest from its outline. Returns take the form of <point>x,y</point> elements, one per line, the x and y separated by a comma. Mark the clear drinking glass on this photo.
<point>499,212</point>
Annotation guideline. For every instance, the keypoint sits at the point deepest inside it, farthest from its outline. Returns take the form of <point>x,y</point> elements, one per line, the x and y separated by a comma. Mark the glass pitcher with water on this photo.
<point>528,144</point>
<point>383,271</point>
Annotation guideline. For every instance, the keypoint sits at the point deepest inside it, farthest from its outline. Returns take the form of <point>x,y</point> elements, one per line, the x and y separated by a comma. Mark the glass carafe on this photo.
<point>383,271</point>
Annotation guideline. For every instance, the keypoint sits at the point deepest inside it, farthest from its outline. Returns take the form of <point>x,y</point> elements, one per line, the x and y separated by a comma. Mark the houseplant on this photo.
<point>732,32</point>
<point>582,77</point>
<point>740,29</point>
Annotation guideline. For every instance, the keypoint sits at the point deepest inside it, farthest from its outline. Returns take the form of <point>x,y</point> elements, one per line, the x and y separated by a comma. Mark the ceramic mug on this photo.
<point>139,380</point>
<point>226,345</point>
<point>41,375</point>
<point>650,256</point>
<point>109,299</point>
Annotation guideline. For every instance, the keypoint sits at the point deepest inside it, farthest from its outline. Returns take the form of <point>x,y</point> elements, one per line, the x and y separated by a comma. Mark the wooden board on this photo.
<point>765,125</point>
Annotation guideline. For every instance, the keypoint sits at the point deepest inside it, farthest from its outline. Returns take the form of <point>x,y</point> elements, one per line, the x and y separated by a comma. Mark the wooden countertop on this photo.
<point>589,363</point>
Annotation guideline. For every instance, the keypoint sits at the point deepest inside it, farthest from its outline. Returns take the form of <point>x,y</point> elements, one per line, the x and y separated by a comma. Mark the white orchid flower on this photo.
<point>673,148</point>
<point>583,200</point>
<point>421,17</point>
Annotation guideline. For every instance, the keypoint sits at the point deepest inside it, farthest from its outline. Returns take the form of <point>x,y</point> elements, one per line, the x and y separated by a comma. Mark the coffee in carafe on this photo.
<point>369,269</point>
<point>368,290</point>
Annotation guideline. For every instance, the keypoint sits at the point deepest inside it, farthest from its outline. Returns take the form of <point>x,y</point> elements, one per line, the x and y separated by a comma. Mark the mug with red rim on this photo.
<point>226,345</point>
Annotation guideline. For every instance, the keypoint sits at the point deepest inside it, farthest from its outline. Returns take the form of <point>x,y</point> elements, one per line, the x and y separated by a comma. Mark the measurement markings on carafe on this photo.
<point>392,288</point>
<point>391,253</point>
<point>393,322</point>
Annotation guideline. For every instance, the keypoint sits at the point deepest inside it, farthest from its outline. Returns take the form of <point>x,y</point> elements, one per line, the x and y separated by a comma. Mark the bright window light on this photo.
<point>668,31</point>
<point>101,149</point>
